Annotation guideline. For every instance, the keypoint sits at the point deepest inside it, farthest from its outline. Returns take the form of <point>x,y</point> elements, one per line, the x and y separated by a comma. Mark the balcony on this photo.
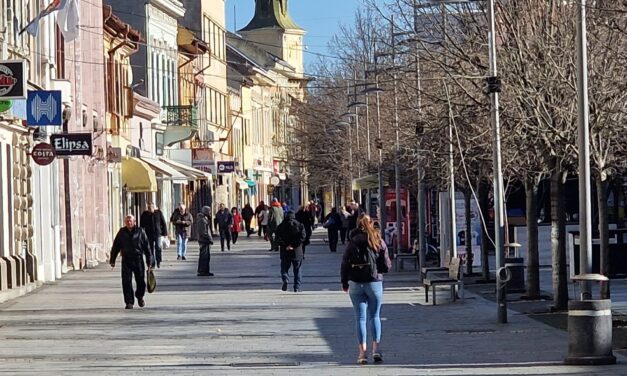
<point>181,123</point>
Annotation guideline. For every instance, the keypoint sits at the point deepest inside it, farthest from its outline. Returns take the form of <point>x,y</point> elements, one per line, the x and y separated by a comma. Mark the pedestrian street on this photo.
<point>239,322</point>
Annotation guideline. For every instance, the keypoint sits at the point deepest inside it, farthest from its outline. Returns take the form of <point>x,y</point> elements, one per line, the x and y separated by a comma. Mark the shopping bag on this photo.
<point>165,242</point>
<point>151,281</point>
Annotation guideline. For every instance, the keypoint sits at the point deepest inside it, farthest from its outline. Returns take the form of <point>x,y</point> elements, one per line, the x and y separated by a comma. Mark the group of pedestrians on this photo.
<point>364,261</point>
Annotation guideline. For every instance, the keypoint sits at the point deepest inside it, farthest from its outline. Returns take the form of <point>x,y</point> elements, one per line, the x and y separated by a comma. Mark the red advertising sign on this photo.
<point>391,234</point>
<point>43,154</point>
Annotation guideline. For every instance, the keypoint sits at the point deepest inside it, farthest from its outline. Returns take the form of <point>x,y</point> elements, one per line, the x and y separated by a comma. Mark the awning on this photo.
<point>250,183</point>
<point>368,182</point>
<point>187,170</point>
<point>169,172</point>
<point>137,176</point>
<point>242,184</point>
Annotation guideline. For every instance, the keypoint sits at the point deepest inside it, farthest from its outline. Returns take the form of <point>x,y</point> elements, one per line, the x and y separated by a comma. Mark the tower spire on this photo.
<point>271,13</point>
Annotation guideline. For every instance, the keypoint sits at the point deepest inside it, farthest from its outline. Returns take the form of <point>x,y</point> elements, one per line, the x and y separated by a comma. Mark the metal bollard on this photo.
<point>590,329</point>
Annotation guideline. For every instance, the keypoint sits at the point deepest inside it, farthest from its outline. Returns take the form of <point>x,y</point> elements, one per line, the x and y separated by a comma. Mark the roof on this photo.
<point>113,23</point>
<point>271,13</point>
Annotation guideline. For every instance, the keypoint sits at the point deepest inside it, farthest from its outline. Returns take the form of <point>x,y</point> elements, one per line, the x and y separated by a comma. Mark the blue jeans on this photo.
<point>367,299</point>
<point>181,245</point>
<point>285,268</point>
<point>155,251</point>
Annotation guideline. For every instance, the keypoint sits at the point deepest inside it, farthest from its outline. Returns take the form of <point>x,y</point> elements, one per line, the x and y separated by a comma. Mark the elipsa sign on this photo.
<point>13,79</point>
<point>70,144</point>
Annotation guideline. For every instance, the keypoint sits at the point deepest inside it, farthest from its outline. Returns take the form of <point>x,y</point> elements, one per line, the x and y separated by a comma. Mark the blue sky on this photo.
<point>320,18</point>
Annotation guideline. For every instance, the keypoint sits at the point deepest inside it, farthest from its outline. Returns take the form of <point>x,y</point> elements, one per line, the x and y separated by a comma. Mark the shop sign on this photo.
<point>5,105</point>
<point>226,167</point>
<point>13,79</point>
<point>71,144</point>
<point>43,154</point>
<point>43,108</point>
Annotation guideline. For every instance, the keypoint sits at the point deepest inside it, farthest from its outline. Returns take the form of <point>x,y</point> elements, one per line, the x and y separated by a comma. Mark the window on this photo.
<point>214,35</point>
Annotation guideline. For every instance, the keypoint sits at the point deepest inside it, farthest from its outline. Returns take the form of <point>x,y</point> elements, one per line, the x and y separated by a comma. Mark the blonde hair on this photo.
<point>364,223</point>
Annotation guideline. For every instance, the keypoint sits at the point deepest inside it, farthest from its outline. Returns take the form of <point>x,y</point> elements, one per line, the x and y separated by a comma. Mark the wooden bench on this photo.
<point>450,276</point>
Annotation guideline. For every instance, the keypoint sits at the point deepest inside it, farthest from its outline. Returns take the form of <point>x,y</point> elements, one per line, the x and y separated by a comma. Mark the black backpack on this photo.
<point>363,261</point>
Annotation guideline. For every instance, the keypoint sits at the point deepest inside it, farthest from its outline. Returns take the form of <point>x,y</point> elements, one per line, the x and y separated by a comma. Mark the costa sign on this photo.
<point>43,154</point>
<point>12,79</point>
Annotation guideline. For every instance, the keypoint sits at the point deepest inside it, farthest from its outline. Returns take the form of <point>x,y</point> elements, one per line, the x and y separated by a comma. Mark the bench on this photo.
<point>450,276</point>
<point>400,258</point>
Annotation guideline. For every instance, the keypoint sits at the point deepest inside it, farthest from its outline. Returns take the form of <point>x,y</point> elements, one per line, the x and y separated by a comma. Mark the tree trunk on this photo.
<point>533,257</point>
<point>558,241</point>
<point>468,232</point>
<point>603,233</point>
<point>483,207</point>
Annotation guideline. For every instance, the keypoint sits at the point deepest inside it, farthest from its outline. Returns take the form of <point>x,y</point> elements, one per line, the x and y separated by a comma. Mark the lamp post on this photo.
<point>499,217</point>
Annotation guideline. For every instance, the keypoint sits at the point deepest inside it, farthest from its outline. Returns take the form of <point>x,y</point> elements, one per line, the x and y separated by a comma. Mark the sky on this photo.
<point>320,18</point>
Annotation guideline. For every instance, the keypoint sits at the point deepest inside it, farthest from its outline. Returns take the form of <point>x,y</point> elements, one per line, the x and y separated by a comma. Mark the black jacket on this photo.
<point>203,229</point>
<point>337,221</point>
<point>359,239</point>
<point>223,219</point>
<point>305,218</point>
<point>132,243</point>
<point>154,224</point>
<point>291,233</point>
<point>182,222</point>
<point>247,213</point>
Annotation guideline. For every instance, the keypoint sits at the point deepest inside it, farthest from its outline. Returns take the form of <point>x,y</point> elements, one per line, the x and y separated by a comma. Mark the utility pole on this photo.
<point>382,213</point>
<point>499,220</point>
<point>585,223</point>
<point>397,172</point>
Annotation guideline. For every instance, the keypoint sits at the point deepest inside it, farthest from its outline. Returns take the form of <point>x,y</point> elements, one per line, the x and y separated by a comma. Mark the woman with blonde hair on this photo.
<point>365,260</point>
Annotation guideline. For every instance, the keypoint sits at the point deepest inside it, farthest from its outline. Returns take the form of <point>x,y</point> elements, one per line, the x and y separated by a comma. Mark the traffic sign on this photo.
<point>43,108</point>
<point>43,154</point>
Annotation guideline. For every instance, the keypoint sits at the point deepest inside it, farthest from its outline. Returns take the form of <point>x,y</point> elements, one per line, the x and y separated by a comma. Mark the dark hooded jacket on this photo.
<point>154,224</point>
<point>203,226</point>
<point>291,233</point>
<point>359,239</point>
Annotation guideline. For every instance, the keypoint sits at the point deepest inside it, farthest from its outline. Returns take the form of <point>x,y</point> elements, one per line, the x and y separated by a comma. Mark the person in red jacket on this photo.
<point>237,224</point>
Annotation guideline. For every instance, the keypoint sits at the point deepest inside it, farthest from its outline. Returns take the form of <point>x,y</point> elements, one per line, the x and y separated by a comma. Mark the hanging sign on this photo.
<point>5,105</point>
<point>70,144</point>
<point>13,79</point>
<point>43,154</point>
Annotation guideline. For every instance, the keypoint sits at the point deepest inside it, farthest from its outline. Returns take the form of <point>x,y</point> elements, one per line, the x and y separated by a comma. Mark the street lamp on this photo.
<point>499,220</point>
<point>342,123</point>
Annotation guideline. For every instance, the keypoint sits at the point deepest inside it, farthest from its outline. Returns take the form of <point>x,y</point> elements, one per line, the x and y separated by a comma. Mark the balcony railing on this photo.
<point>181,116</point>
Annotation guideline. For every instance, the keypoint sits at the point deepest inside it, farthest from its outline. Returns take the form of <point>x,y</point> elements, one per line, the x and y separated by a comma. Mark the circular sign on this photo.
<point>7,80</point>
<point>43,154</point>
<point>274,180</point>
<point>5,105</point>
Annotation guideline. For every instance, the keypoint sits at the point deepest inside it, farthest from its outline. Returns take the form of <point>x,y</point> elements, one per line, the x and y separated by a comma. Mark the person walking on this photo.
<point>237,224</point>
<point>205,240</point>
<point>223,222</point>
<point>153,223</point>
<point>247,215</point>
<point>290,235</point>
<point>353,209</point>
<point>275,219</point>
<point>345,214</point>
<point>333,223</point>
<point>258,210</point>
<point>304,217</point>
<point>132,242</point>
<point>364,261</point>
<point>182,220</point>
<point>263,219</point>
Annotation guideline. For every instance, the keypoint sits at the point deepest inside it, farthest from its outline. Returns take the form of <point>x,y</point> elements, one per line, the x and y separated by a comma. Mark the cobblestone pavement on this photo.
<point>240,323</point>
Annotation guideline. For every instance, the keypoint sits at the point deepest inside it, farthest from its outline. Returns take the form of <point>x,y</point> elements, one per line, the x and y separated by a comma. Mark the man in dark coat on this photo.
<point>182,220</point>
<point>205,240</point>
<point>333,222</point>
<point>258,210</point>
<point>304,217</point>
<point>276,218</point>
<point>153,222</point>
<point>223,222</point>
<point>290,236</point>
<point>247,215</point>
<point>132,242</point>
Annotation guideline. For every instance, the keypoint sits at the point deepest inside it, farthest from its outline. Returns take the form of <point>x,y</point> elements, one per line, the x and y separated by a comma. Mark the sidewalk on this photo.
<point>240,323</point>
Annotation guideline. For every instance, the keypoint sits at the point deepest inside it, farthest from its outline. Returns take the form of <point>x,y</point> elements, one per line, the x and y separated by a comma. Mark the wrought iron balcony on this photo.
<point>181,116</point>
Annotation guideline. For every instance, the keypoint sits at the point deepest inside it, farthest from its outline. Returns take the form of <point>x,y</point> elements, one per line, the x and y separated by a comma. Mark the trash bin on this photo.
<point>516,267</point>
<point>590,328</point>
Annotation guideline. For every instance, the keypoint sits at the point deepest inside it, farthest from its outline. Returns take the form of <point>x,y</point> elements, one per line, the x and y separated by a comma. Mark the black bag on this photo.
<point>363,264</point>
